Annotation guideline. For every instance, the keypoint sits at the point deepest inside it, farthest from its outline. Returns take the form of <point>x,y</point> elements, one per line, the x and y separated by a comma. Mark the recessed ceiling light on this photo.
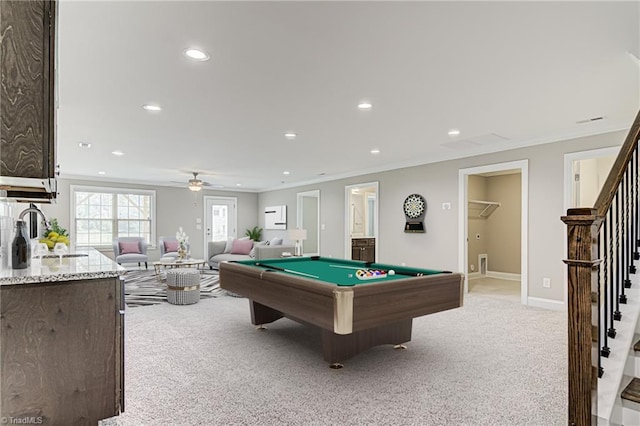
<point>290,135</point>
<point>238,184</point>
<point>196,54</point>
<point>286,172</point>
<point>102,173</point>
<point>150,107</point>
<point>453,132</point>
<point>84,145</point>
<point>365,105</point>
<point>375,151</point>
<point>118,153</point>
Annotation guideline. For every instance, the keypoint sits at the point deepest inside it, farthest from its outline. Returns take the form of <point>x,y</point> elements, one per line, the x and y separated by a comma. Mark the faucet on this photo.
<point>34,209</point>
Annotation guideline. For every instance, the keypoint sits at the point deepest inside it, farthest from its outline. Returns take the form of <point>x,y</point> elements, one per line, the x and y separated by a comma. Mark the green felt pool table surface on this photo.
<point>337,271</point>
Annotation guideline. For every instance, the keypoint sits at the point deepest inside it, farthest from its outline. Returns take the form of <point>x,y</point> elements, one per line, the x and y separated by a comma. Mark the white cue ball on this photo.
<point>391,272</point>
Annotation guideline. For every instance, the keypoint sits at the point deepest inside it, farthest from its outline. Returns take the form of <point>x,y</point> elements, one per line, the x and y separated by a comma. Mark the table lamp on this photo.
<point>298,235</point>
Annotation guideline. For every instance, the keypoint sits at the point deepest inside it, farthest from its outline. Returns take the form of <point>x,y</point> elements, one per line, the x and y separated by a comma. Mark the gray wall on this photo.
<point>438,183</point>
<point>175,207</point>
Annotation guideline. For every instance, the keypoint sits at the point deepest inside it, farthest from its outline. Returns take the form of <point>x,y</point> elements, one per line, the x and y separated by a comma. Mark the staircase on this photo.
<point>604,298</point>
<point>622,368</point>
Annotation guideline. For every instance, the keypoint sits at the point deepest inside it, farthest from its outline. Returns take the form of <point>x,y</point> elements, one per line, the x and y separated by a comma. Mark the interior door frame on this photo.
<point>300,214</point>
<point>376,219</point>
<point>205,200</point>
<point>463,252</point>
<point>569,158</point>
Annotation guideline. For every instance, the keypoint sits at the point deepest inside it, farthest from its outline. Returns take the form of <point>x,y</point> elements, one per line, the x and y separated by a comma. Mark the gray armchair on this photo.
<point>130,250</point>
<point>166,250</point>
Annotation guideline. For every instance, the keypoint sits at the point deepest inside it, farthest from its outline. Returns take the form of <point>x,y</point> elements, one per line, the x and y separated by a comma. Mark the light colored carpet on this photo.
<point>491,362</point>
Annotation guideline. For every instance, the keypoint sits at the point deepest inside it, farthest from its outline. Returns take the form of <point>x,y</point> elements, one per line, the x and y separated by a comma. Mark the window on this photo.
<point>101,214</point>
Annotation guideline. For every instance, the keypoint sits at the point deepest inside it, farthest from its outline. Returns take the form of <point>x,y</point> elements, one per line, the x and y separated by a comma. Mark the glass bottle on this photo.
<point>21,247</point>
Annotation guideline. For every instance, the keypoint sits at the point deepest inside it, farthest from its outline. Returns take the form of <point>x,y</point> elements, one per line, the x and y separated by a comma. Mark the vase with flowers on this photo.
<point>183,244</point>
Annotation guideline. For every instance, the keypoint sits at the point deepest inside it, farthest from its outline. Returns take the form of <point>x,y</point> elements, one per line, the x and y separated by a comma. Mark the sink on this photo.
<point>55,256</point>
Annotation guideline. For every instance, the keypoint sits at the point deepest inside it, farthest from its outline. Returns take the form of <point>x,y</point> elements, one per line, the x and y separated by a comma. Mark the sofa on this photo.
<point>244,249</point>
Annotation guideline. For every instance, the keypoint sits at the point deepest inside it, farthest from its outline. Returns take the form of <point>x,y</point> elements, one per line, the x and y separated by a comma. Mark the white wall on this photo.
<point>438,183</point>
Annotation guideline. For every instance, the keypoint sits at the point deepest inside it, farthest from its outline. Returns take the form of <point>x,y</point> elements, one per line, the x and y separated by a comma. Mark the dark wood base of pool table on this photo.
<point>340,347</point>
<point>351,318</point>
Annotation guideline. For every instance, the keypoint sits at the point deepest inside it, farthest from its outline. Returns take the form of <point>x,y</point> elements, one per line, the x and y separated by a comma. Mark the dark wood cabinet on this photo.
<point>62,351</point>
<point>27,110</point>
<point>363,249</point>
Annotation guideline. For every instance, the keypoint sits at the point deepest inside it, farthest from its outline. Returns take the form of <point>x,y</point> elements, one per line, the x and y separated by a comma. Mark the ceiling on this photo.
<point>506,74</point>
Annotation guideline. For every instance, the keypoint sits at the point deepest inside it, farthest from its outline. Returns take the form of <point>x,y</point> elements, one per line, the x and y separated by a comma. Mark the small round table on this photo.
<point>170,262</point>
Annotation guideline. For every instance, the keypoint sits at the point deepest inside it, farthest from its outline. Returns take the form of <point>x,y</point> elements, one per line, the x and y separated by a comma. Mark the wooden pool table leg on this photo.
<point>261,314</point>
<point>339,347</point>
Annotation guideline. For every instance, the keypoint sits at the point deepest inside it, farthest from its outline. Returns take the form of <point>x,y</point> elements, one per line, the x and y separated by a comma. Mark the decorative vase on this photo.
<point>182,253</point>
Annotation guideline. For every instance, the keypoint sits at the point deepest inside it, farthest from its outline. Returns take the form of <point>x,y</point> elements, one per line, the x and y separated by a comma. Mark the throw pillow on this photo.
<point>227,248</point>
<point>252,253</point>
<point>171,246</point>
<point>127,247</point>
<point>275,241</point>
<point>230,241</point>
<point>242,246</point>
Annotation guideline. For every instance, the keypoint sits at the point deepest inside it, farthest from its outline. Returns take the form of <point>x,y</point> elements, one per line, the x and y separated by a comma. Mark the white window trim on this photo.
<point>111,190</point>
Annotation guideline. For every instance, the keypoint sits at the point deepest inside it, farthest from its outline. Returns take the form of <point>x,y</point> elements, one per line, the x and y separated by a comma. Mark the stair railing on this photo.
<point>602,246</point>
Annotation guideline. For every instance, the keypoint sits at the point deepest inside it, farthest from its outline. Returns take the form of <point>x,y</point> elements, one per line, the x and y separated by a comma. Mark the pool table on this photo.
<point>353,314</point>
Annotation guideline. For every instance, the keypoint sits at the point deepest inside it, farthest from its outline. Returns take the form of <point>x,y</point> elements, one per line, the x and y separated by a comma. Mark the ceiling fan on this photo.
<point>196,184</point>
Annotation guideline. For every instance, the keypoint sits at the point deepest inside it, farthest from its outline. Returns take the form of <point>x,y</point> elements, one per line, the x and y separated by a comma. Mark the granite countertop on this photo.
<point>89,264</point>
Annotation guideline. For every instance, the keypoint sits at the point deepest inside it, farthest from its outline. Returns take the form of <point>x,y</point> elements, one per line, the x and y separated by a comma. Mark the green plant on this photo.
<point>254,234</point>
<point>55,227</point>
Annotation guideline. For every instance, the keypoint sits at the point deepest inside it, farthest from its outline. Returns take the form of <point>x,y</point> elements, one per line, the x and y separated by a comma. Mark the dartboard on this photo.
<point>414,206</point>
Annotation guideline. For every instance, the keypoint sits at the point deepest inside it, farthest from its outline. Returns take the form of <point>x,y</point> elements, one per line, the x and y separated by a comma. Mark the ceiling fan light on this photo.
<point>195,188</point>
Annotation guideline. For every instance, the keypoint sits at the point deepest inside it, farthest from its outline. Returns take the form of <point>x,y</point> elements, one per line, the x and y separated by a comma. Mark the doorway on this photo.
<point>584,174</point>
<point>308,218</point>
<point>361,222</point>
<point>481,210</point>
<point>220,219</point>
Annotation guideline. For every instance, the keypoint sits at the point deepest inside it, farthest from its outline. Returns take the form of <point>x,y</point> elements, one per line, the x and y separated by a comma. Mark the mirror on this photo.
<point>308,212</point>
<point>361,202</point>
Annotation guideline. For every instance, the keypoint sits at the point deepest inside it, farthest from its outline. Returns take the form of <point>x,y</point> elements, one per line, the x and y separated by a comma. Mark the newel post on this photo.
<point>582,261</point>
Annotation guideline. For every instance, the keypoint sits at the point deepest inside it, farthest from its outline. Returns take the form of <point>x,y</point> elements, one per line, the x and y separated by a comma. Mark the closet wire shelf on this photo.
<point>481,209</point>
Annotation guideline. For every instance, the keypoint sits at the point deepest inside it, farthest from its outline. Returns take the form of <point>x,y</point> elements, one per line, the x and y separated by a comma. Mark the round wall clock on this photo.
<point>415,207</point>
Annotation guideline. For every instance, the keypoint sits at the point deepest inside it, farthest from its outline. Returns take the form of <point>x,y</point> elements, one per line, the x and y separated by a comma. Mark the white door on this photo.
<point>220,218</point>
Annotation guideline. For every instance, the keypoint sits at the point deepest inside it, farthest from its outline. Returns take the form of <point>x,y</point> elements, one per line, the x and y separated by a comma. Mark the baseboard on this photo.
<point>553,305</point>
<point>503,275</point>
<point>474,275</point>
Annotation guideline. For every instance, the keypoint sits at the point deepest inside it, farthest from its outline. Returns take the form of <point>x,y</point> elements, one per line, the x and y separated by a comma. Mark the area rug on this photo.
<point>143,288</point>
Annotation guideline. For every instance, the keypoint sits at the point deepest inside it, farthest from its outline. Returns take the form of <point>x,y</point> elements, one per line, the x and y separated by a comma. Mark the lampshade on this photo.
<point>298,234</point>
